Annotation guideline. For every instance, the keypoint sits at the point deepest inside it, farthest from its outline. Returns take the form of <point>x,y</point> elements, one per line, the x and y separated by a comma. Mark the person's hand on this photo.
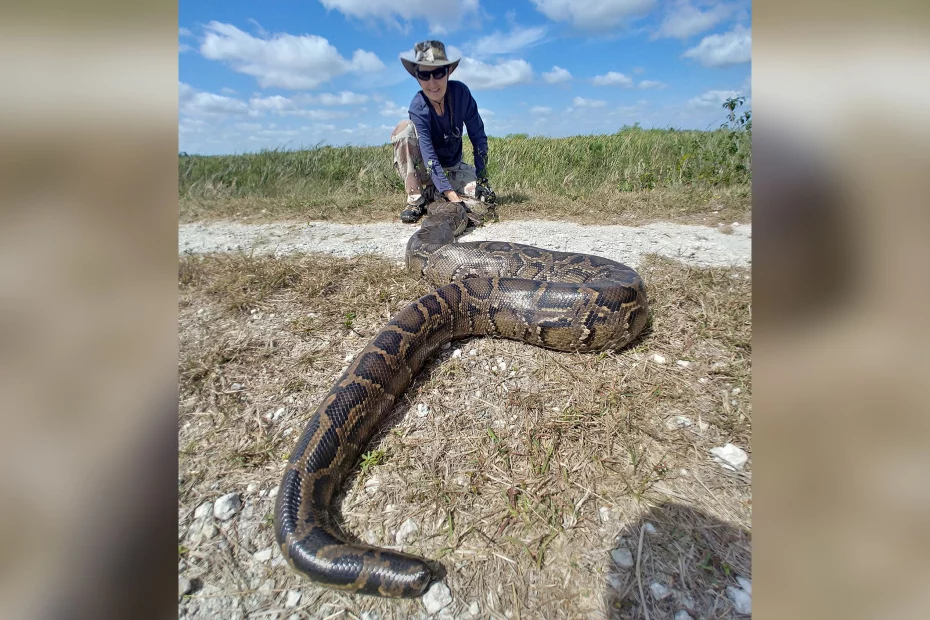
<point>451,196</point>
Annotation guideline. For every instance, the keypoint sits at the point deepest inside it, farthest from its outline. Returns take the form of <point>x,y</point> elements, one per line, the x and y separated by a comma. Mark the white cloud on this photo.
<point>227,91</point>
<point>683,19</point>
<point>196,103</point>
<point>652,84</point>
<point>480,76</point>
<point>594,14</point>
<point>558,74</point>
<point>343,98</point>
<point>612,78</point>
<point>285,106</point>
<point>720,50</point>
<point>184,47</point>
<point>317,115</point>
<point>284,61</point>
<point>441,15</point>
<point>712,98</point>
<point>540,110</point>
<point>485,113</point>
<point>184,32</point>
<point>580,102</point>
<point>275,103</point>
<point>507,43</point>
<point>388,108</point>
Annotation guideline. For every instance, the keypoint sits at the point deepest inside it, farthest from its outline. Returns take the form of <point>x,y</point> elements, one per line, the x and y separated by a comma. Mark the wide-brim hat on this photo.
<point>429,54</point>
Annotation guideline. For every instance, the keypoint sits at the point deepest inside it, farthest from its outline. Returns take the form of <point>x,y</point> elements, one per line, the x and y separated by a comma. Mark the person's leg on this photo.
<point>463,179</point>
<point>408,163</point>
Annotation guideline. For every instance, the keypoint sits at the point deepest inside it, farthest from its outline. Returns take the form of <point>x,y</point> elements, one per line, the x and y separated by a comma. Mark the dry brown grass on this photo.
<point>708,206</point>
<point>529,468</point>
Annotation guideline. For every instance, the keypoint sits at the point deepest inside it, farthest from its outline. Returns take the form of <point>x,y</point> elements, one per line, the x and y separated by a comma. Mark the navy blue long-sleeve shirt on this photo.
<point>439,148</point>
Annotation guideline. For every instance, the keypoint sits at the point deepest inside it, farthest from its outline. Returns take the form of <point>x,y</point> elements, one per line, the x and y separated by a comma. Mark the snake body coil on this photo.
<point>558,300</point>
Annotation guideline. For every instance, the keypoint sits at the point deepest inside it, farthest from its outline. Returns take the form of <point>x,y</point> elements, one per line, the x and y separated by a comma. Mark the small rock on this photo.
<point>446,345</point>
<point>437,597</point>
<point>370,615</point>
<point>650,528</point>
<point>456,353</point>
<point>204,510</point>
<point>273,492</point>
<point>372,484</point>
<point>745,584</point>
<point>730,457</point>
<point>472,353</point>
<point>702,380</point>
<point>474,609</point>
<point>287,432</point>
<point>236,386</point>
<point>678,421</point>
<point>185,586</point>
<point>348,358</point>
<point>267,585</point>
<point>658,359</point>
<point>718,366</point>
<point>736,391</point>
<point>262,556</point>
<point>251,488</point>
<point>604,512</point>
<point>659,592</point>
<point>263,493</point>
<point>622,557</point>
<point>227,506</point>
<point>685,601</point>
<point>293,598</point>
<point>742,600</point>
<point>407,528</point>
<point>683,363</point>
<point>682,615</point>
<point>422,410</point>
<point>277,414</point>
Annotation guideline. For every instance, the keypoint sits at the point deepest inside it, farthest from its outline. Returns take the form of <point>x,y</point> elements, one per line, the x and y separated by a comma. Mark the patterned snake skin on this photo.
<point>558,300</point>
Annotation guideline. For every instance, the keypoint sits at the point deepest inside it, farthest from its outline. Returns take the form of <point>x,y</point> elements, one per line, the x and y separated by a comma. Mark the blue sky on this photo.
<point>293,74</point>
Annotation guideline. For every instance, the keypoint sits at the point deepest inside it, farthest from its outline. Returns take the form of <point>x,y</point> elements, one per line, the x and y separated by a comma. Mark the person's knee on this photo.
<point>403,131</point>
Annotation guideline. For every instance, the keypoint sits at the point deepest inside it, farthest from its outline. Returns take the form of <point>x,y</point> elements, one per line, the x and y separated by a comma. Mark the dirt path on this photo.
<point>695,245</point>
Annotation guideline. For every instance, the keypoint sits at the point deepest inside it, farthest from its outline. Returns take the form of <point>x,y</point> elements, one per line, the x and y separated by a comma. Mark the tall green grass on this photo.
<point>632,159</point>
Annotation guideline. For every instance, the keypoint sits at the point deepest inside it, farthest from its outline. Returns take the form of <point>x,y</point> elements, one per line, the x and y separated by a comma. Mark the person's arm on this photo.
<point>475,126</point>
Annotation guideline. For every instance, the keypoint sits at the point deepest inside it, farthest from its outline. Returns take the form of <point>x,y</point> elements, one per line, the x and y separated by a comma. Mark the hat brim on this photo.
<point>411,66</point>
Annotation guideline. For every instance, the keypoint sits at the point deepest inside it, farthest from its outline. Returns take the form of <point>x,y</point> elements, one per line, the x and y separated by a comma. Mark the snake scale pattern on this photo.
<point>558,300</point>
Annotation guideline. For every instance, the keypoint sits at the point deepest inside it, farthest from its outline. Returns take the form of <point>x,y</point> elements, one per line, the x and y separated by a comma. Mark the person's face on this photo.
<point>435,88</point>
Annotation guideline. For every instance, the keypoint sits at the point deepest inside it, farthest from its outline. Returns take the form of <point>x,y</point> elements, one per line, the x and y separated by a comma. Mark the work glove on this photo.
<point>483,191</point>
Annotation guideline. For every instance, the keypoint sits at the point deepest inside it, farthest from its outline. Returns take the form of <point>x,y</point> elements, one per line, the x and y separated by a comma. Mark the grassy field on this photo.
<point>631,176</point>
<point>524,469</point>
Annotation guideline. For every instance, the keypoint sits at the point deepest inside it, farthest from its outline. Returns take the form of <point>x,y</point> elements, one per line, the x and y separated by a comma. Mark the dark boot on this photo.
<point>415,211</point>
<point>412,213</point>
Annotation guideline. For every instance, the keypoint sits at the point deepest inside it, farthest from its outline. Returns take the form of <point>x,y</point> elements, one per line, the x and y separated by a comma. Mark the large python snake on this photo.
<point>558,300</point>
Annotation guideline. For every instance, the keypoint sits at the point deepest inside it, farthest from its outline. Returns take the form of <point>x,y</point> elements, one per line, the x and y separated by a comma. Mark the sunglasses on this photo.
<point>436,73</point>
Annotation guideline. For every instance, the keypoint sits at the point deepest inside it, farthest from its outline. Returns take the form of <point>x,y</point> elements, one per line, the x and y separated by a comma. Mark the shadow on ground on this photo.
<point>677,560</point>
